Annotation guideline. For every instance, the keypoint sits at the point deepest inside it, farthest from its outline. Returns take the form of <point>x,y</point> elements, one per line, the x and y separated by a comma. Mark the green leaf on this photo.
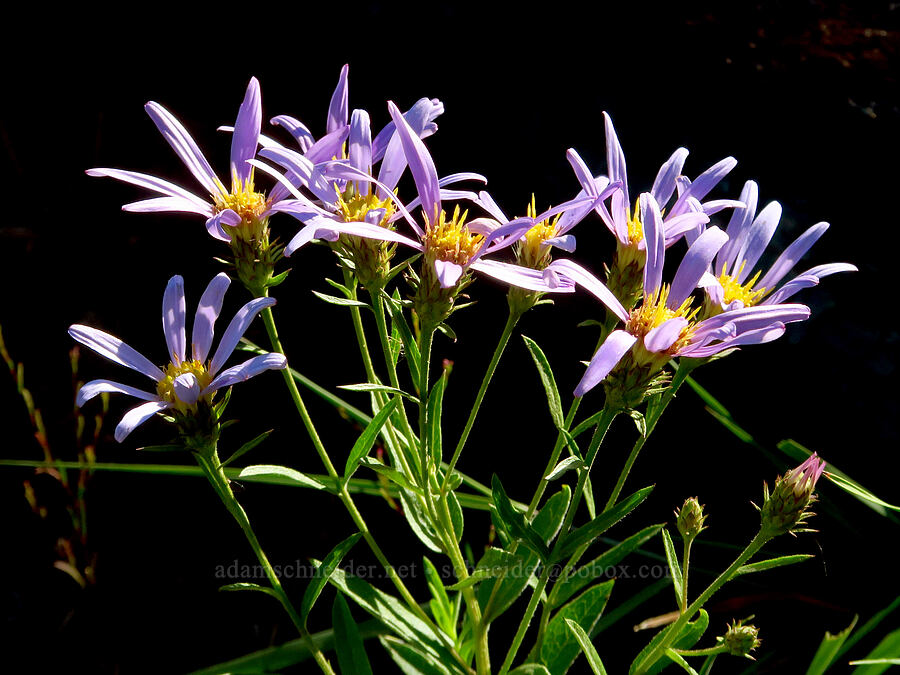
<point>515,521</point>
<point>869,626</point>
<point>563,466</point>
<point>442,609</point>
<point>494,563</point>
<point>367,439</point>
<point>560,647</point>
<point>853,488</point>
<point>433,418</point>
<point>351,652</point>
<point>343,302</point>
<point>411,659</point>
<point>245,586</point>
<point>612,617</point>
<point>388,472</point>
<point>368,387</point>
<point>547,523</point>
<point>674,565</point>
<point>281,475</point>
<point>590,653</point>
<point>828,650</point>
<point>278,279</point>
<point>689,636</point>
<point>589,497</point>
<point>247,447</point>
<point>587,533</point>
<point>707,398</point>
<point>599,566</point>
<point>885,654</point>
<point>549,382</point>
<point>168,447</point>
<point>639,421</point>
<point>391,611</point>
<point>678,659</point>
<point>772,563</point>
<point>339,286</point>
<point>530,669</point>
<point>395,306</point>
<point>323,572</point>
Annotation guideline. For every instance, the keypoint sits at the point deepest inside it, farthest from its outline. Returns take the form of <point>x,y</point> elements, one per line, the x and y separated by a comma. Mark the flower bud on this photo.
<point>785,507</point>
<point>690,519</point>
<point>741,639</point>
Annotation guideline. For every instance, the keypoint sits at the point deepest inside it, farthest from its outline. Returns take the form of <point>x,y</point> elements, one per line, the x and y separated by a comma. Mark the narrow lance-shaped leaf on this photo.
<point>549,382</point>
<point>674,566</point>
<point>560,647</point>
<point>281,475</point>
<point>324,572</point>
<point>829,649</point>
<point>343,302</point>
<point>587,533</point>
<point>515,522</point>
<point>247,447</point>
<point>369,387</point>
<point>433,418</point>
<point>772,563</point>
<point>590,652</point>
<point>565,465</point>
<point>367,438</point>
<point>348,643</point>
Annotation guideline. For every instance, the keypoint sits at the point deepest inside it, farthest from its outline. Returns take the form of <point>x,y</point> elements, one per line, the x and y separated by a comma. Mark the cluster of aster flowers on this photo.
<point>331,186</point>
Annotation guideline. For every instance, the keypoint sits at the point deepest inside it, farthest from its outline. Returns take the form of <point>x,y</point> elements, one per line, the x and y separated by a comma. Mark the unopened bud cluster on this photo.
<point>741,639</point>
<point>786,506</point>
<point>690,519</point>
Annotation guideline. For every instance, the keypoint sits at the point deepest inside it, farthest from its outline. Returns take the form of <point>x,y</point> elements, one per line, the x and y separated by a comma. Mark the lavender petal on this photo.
<point>792,255</point>
<point>245,371</point>
<point>94,387</point>
<point>607,357</point>
<point>662,337</point>
<point>236,330</point>
<point>173,312</point>
<point>694,265</point>
<point>137,416</point>
<point>185,147</point>
<point>245,138</point>
<point>205,318</point>
<point>115,350</point>
<point>590,283</point>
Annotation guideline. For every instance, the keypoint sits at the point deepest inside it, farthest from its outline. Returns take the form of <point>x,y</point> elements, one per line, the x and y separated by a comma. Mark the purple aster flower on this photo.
<point>241,205</point>
<point>736,285</point>
<point>686,213</point>
<point>189,379</point>
<point>665,324</point>
<point>451,246</point>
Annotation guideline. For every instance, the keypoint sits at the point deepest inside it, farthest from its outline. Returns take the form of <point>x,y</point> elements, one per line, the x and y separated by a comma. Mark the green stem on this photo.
<point>426,338</point>
<point>554,459</point>
<point>344,495</point>
<point>685,568</point>
<point>674,630</point>
<point>526,619</point>
<point>684,369</point>
<point>709,651</point>
<point>511,322</point>
<point>216,475</point>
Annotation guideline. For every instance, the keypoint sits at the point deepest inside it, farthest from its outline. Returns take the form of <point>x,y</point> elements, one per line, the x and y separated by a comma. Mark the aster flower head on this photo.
<point>238,215</point>
<point>739,282</point>
<point>666,324</point>
<point>690,519</point>
<point>336,198</point>
<point>687,213</point>
<point>741,638</point>
<point>785,509</point>
<point>187,385</point>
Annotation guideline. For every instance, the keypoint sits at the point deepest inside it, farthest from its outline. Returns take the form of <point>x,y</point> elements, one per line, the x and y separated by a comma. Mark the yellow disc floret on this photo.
<point>531,249</point>
<point>243,200</point>
<point>635,227</point>
<point>166,389</point>
<point>354,206</point>
<point>654,312</point>
<point>734,290</point>
<point>450,240</point>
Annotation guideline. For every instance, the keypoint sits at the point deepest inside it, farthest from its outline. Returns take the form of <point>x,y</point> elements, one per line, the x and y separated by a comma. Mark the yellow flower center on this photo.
<point>166,388</point>
<point>654,312</point>
<point>355,206</point>
<point>530,249</point>
<point>450,240</point>
<point>635,227</point>
<point>734,290</point>
<point>243,200</point>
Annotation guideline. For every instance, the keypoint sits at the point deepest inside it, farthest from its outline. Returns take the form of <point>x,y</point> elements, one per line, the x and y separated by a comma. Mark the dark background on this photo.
<point>803,94</point>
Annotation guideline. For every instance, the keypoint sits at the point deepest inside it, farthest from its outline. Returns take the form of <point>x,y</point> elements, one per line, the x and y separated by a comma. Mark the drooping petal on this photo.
<point>420,119</point>
<point>592,284</point>
<point>755,337</point>
<point>137,416</point>
<point>301,167</point>
<point>339,106</point>
<point>186,388</point>
<point>654,237</point>
<point>115,350</point>
<point>360,152</point>
<point>582,172</point>
<point>524,277</point>
<point>792,287</point>
<point>448,273</point>
<point>245,138</point>
<point>615,157</point>
<point>504,236</point>
<point>664,185</point>
<point>297,129</point>
<point>173,312</point>
<point>565,243</point>
<point>184,146</point>
<point>677,226</point>
<point>792,255</point>
<point>753,318</point>
<point>706,181</point>
<point>694,265</point>
<point>205,319</point>
<point>166,205</point>
<point>487,202</point>
<point>608,355</point>
<point>226,217</point>
<point>329,146</point>
<point>421,165</point>
<point>94,387</point>
<point>758,237</point>
<point>236,330</point>
<point>151,183</point>
<point>245,371</point>
<point>662,337</point>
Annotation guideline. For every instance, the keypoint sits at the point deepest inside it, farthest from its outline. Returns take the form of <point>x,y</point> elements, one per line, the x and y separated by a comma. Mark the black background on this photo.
<point>804,96</point>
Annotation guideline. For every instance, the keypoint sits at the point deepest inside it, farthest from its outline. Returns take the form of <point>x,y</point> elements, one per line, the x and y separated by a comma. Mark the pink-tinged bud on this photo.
<point>741,639</point>
<point>785,508</point>
<point>690,519</point>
